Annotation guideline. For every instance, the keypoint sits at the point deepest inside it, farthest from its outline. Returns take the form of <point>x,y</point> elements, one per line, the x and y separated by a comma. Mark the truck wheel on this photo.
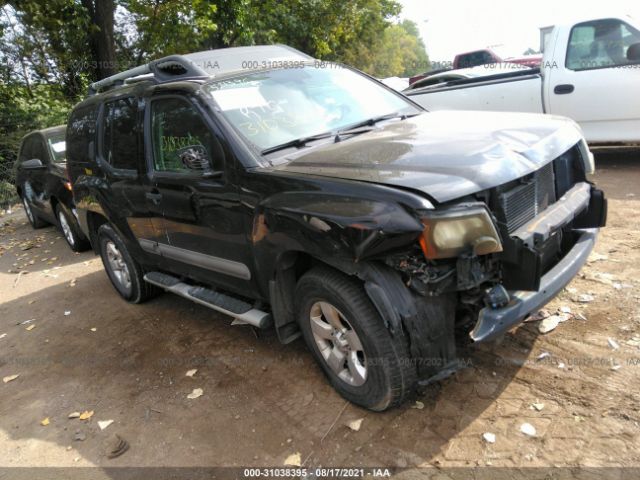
<point>31,215</point>
<point>125,273</point>
<point>72,234</point>
<point>363,361</point>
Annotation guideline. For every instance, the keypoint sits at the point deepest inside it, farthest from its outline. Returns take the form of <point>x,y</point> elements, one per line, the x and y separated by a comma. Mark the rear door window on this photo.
<point>120,133</point>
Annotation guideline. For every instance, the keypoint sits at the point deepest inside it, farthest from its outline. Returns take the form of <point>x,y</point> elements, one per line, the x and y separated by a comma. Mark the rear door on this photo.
<point>121,159</point>
<point>595,83</point>
<point>199,208</point>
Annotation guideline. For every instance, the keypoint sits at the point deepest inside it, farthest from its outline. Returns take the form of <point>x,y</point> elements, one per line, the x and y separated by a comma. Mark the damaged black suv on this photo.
<point>309,197</point>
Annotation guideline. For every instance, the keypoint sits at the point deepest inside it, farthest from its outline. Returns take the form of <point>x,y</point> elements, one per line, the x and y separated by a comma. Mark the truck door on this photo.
<point>192,190</point>
<point>597,83</point>
<point>120,156</point>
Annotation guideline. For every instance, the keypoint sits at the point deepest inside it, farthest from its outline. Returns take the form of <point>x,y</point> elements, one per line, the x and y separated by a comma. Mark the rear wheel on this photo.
<point>31,215</point>
<point>363,361</point>
<point>126,275</point>
<point>69,227</point>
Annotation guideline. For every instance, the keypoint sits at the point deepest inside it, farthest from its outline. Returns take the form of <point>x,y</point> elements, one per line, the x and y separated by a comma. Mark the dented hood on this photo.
<point>444,154</point>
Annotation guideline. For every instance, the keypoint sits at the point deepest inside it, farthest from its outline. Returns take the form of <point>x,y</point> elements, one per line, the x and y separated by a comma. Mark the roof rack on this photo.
<point>163,69</point>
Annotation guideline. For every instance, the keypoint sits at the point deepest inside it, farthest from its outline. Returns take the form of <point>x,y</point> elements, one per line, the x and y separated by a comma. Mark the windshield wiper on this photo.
<point>370,122</point>
<point>298,142</point>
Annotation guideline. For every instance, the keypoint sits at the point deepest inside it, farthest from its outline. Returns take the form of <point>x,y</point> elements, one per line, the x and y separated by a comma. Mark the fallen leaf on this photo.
<point>67,313</point>
<point>489,437</point>
<point>86,415</point>
<point>30,327</point>
<point>10,378</point>
<point>538,406</point>
<point>528,429</point>
<point>539,315</point>
<point>104,423</point>
<point>585,298</point>
<point>613,344</point>
<point>293,460</point>
<point>94,329</point>
<point>564,309</point>
<point>615,368</point>
<point>3,335</point>
<point>355,424</point>
<point>543,355</point>
<point>74,415</point>
<point>197,392</point>
<point>418,405</point>
<point>561,365</point>
<point>549,324</point>
<point>44,422</point>
<point>191,373</point>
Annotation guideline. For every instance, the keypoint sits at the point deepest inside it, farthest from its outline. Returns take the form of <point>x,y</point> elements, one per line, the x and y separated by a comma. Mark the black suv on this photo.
<point>44,187</point>
<point>305,195</point>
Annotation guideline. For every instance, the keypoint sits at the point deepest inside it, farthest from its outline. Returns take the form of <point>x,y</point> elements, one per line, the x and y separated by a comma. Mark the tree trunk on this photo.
<point>101,39</point>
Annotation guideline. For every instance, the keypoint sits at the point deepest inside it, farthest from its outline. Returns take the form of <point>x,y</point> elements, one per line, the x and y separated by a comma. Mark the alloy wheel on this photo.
<point>118,265</point>
<point>338,343</point>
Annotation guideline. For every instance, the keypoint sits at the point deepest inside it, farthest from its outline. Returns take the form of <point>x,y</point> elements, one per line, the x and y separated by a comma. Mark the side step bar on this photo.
<point>220,302</point>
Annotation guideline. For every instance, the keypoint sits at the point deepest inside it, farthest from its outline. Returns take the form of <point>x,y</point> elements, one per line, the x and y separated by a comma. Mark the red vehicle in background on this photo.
<point>481,57</point>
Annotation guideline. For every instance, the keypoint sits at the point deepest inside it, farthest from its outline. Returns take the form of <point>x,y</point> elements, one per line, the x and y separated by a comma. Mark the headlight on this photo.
<point>450,232</point>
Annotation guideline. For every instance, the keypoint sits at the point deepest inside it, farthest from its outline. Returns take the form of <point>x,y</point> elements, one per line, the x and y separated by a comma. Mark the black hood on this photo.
<point>446,155</point>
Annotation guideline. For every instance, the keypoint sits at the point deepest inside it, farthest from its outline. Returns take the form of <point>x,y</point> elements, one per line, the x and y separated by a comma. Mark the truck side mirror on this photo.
<point>33,164</point>
<point>633,52</point>
<point>196,158</point>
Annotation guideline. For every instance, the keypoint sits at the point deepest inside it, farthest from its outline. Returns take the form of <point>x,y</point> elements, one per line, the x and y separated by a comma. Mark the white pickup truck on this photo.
<point>590,72</point>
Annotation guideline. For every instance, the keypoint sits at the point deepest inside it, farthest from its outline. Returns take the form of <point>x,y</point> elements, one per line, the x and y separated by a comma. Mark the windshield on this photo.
<point>274,107</point>
<point>57,147</point>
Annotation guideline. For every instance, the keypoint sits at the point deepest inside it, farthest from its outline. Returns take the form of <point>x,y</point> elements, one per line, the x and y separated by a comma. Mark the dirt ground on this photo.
<point>90,351</point>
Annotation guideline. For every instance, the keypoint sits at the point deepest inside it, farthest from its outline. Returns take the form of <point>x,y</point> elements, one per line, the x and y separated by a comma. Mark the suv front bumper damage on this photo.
<point>494,322</point>
<point>583,210</point>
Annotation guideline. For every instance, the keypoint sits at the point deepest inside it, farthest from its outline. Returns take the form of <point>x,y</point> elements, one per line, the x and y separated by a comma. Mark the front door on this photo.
<point>197,205</point>
<point>599,86</point>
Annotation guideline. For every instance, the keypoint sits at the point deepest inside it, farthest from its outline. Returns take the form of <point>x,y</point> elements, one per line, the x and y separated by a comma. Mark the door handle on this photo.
<point>564,89</point>
<point>154,195</point>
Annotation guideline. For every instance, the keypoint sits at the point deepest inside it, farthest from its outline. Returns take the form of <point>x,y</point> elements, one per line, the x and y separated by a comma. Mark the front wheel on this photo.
<point>362,360</point>
<point>32,216</point>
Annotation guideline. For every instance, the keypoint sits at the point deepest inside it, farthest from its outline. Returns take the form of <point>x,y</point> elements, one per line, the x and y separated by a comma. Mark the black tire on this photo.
<point>32,216</point>
<point>390,373</point>
<point>72,234</point>
<point>138,291</point>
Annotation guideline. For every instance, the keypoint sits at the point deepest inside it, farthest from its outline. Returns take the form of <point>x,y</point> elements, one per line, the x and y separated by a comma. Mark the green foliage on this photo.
<point>23,110</point>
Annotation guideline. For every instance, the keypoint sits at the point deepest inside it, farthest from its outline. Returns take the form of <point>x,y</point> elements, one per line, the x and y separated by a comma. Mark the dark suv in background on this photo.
<point>44,186</point>
<point>284,191</point>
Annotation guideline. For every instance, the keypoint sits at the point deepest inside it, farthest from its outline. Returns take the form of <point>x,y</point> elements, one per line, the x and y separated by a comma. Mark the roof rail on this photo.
<point>166,68</point>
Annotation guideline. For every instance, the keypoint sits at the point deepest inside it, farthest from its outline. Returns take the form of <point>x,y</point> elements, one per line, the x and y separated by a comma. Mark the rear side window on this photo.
<point>81,131</point>
<point>176,125</point>
<point>120,133</point>
<point>600,44</point>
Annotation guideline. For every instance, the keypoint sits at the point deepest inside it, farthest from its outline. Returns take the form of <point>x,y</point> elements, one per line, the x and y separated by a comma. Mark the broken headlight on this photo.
<point>448,233</point>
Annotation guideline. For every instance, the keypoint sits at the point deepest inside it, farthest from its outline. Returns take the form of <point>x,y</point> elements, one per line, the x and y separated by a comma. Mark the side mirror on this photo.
<point>33,164</point>
<point>196,158</point>
<point>633,52</point>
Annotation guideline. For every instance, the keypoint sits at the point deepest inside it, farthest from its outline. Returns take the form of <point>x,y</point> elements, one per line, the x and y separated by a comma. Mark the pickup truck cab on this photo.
<point>308,197</point>
<point>590,72</point>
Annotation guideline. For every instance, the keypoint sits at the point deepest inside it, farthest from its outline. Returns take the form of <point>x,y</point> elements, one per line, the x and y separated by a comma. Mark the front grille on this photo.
<point>524,202</point>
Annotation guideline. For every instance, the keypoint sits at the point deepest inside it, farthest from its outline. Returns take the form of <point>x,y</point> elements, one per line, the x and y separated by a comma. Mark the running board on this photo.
<point>239,309</point>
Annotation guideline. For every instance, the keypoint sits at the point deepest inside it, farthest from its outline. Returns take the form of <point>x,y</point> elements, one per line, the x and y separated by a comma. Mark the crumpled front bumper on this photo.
<point>494,322</point>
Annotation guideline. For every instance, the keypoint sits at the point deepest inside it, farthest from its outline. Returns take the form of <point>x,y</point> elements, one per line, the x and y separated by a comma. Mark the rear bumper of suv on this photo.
<point>494,322</point>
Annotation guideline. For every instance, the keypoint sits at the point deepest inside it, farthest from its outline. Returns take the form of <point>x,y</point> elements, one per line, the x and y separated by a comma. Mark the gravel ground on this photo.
<point>262,402</point>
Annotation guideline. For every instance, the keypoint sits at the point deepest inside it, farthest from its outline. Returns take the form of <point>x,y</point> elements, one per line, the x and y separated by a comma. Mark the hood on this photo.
<point>445,154</point>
